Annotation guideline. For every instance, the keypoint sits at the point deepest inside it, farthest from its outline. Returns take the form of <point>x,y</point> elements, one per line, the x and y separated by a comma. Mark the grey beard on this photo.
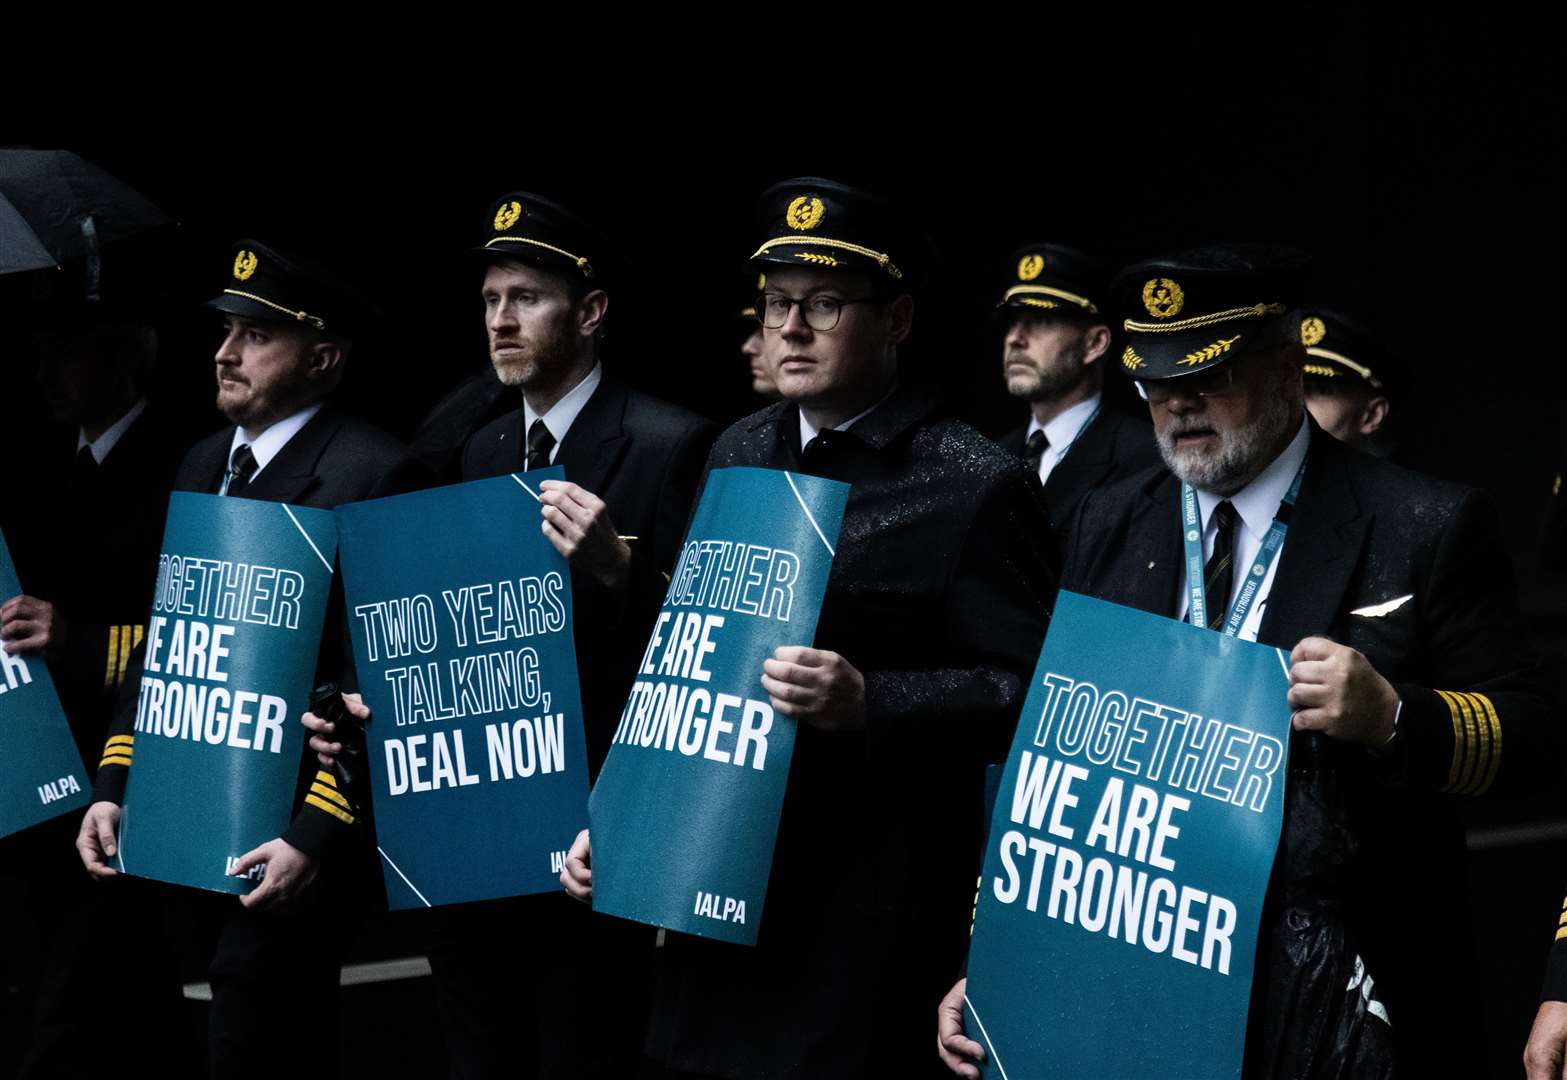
<point>1241,455</point>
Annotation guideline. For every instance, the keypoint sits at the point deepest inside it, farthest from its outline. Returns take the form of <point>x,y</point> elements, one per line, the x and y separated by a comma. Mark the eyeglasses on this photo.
<point>821,312</point>
<point>1215,384</point>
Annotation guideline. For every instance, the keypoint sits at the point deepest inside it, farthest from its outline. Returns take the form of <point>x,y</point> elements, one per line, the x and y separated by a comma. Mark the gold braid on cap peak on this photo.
<point>298,316</point>
<point>1045,290</point>
<point>1359,369</point>
<point>1321,369</point>
<point>581,261</point>
<point>1255,311</point>
<point>884,261</point>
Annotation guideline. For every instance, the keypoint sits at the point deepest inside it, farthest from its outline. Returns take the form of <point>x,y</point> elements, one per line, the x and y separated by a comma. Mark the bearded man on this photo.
<point>1388,584</point>
<point>525,985</point>
<point>1056,336</point>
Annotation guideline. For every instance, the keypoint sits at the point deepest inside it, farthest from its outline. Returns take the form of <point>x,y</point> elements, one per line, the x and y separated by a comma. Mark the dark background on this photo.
<point>1419,159</point>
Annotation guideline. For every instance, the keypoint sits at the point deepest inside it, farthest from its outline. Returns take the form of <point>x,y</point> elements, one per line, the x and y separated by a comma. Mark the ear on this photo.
<point>900,314</point>
<point>1374,415</point>
<point>591,310</point>
<point>1095,344</point>
<point>324,359</point>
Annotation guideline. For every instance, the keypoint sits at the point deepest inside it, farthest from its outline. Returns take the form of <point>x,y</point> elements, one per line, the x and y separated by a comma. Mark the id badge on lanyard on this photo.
<point>1191,530</point>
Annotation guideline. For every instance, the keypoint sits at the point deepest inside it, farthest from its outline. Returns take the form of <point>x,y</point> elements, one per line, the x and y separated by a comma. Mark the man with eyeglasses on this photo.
<point>933,617</point>
<point>1387,585</point>
<point>1056,338</point>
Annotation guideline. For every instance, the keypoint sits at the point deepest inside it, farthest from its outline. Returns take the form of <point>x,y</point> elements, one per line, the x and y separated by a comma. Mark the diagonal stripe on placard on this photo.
<point>986,1035</point>
<point>808,516</point>
<point>402,875</point>
<point>306,535</point>
<point>525,487</point>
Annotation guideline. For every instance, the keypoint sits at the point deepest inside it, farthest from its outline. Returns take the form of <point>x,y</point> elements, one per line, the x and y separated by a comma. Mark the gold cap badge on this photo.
<point>1312,331</point>
<point>1029,267</point>
<point>804,213</point>
<point>245,264</point>
<point>1163,298</point>
<point>507,215</point>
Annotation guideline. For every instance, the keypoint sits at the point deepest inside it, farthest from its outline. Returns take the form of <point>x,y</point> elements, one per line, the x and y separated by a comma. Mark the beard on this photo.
<point>1051,382</point>
<point>552,352</point>
<point>1242,452</point>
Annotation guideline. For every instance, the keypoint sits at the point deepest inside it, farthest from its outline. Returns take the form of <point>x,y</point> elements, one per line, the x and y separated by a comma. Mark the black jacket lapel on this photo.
<point>1153,573</point>
<point>1084,468</point>
<point>293,470</point>
<point>597,440</point>
<point>1321,550</point>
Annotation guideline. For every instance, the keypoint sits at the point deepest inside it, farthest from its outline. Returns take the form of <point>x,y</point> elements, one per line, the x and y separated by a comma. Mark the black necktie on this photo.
<point>540,443</point>
<point>242,466</point>
<point>86,464</point>
<point>1034,451</point>
<point>1216,574</point>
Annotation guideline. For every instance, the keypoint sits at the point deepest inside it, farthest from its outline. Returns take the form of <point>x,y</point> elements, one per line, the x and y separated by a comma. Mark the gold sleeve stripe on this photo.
<point>329,795</point>
<point>1564,903</point>
<point>115,759</point>
<point>1563,920</point>
<point>1459,744</point>
<point>125,652</point>
<point>321,804</point>
<point>1562,933</point>
<point>324,777</point>
<point>1479,742</point>
<point>121,740</point>
<point>137,632</point>
<point>114,657</point>
<point>1484,708</point>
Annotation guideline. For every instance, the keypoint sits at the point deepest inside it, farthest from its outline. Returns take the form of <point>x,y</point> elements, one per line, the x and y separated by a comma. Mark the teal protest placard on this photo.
<point>685,811</point>
<point>1129,851</point>
<point>231,653</point>
<point>44,777</point>
<point>460,611</point>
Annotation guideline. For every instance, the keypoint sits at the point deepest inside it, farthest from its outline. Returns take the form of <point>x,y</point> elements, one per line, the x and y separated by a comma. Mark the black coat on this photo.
<point>89,545</point>
<point>1364,533</point>
<point>643,457</point>
<point>1112,446</point>
<point>332,460</point>
<point>938,595</point>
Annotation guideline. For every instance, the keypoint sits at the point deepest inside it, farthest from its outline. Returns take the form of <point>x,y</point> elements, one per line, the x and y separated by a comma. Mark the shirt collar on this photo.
<point>266,445</point>
<point>1066,426</point>
<point>807,432</point>
<point>111,435</point>
<point>1258,502</point>
<point>563,413</point>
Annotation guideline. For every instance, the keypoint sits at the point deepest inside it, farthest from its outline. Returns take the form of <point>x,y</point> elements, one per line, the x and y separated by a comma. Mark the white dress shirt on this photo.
<point>111,435</point>
<point>807,432</point>
<point>559,419</point>
<point>266,444</point>
<point>1062,431</point>
<point>1257,504</point>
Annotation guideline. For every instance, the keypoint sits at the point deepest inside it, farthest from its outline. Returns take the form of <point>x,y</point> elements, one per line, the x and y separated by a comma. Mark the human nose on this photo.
<point>501,317</point>
<point>794,326</point>
<point>228,350</point>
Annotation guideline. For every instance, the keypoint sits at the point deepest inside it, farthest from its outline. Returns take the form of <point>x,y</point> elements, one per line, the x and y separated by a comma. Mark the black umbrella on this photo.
<point>56,207</point>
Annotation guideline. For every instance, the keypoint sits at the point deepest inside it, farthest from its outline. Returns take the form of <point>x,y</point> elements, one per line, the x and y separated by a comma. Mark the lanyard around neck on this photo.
<point>1191,528</point>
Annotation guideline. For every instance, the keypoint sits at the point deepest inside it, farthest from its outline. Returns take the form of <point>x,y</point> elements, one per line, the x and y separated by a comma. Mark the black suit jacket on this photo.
<point>332,460</point>
<point>1373,842</point>
<point>938,594</point>
<point>643,457</point>
<point>94,555</point>
<point>1112,446</point>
